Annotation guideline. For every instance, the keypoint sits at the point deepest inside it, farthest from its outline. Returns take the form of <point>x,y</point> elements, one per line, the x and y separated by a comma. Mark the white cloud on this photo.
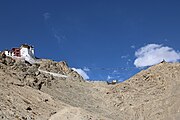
<point>58,35</point>
<point>82,73</point>
<point>166,40</point>
<point>154,53</point>
<point>128,61</point>
<point>133,46</point>
<point>124,56</point>
<point>115,71</point>
<point>109,77</point>
<point>46,16</point>
<point>86,69</point>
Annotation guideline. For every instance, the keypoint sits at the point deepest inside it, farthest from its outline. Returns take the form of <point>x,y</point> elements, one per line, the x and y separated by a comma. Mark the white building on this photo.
<point>8,53</point>
<point>25,52</point>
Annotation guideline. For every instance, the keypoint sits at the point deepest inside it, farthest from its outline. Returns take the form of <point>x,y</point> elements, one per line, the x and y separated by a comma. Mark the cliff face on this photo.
<point>50,90</point>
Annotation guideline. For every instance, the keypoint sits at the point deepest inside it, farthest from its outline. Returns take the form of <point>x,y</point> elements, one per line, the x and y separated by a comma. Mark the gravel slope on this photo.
<point>152,94</point>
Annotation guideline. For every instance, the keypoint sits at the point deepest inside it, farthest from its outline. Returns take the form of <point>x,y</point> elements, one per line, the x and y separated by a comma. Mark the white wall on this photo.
<point>7,53</point>
<point>32,51</point>
<point>25,52</point>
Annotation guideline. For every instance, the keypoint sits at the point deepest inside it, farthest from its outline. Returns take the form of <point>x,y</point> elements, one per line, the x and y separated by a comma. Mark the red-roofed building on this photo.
<point>23,52</point>
<point>16,52</point>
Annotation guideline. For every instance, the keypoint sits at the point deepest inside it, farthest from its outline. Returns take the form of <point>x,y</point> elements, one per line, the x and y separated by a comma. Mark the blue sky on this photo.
<point>101,35</point>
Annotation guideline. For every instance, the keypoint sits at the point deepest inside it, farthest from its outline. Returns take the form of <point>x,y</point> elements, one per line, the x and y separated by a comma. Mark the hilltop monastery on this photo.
<point>24,52</point>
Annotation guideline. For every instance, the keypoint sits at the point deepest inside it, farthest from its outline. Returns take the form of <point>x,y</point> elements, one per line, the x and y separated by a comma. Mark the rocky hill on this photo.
<point>50,90</point>
<point>152,94</point>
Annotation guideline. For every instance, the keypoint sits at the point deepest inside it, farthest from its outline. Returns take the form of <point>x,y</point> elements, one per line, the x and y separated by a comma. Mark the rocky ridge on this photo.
<point>38,74</point>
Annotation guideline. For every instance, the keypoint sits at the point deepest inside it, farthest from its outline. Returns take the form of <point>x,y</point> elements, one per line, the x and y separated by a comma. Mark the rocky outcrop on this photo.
<point>61,68</point>
<point>6,60</point>
<point>38,74</point>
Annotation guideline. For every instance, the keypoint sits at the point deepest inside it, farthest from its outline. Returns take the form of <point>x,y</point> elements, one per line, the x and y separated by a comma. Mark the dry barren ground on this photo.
<point>152,94</point>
